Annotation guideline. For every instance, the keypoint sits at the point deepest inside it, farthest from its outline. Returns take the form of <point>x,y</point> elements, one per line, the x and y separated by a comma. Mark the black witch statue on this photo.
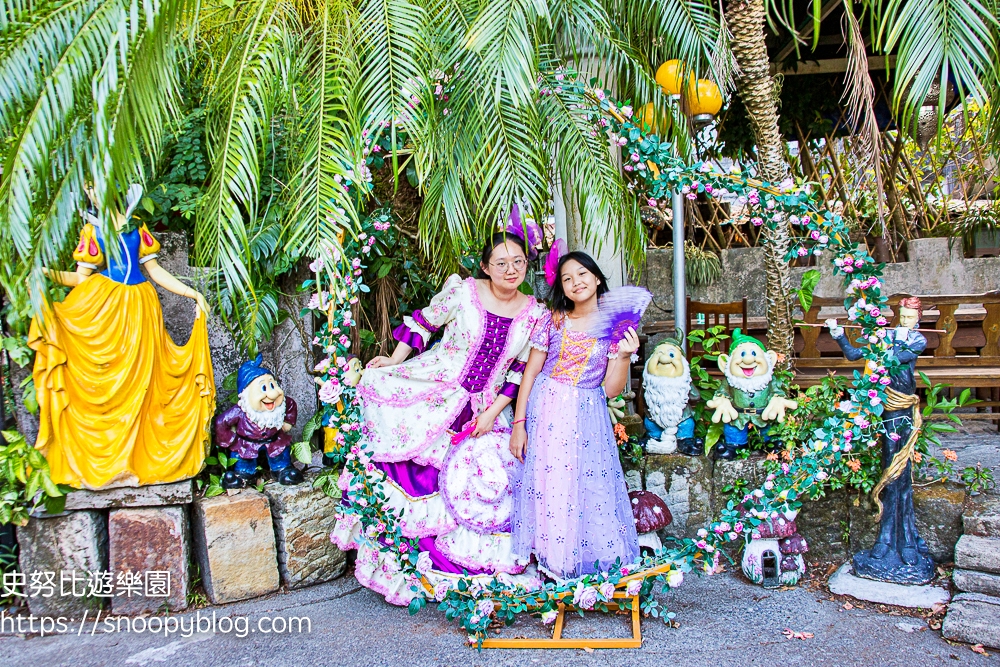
<point>899,555</point>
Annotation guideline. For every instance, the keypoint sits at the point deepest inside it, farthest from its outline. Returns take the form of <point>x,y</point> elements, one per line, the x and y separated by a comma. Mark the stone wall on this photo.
<point>936,266</point>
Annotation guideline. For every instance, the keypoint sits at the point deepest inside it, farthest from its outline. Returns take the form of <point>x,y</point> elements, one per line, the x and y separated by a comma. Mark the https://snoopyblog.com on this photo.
<point>186,625</point>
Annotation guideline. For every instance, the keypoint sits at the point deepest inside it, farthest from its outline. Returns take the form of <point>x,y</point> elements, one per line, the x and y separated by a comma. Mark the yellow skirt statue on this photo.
<point>119,403</point>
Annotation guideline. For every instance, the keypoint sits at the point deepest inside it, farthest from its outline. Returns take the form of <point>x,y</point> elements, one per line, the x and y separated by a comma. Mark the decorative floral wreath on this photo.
<point>653,173</point>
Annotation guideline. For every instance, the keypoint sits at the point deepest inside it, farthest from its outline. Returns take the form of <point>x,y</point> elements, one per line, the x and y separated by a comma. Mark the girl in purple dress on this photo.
<point>571,507</point>
<point>453,496</point>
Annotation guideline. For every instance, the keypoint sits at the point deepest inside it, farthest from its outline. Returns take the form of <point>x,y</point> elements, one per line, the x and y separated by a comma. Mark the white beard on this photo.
<point>666,397</point>
<point>750,384</point>
<point>263,418</point>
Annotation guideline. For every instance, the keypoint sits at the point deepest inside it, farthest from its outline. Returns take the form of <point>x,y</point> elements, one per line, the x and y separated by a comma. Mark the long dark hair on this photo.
<point>561,303</point>
<point>498,238</point>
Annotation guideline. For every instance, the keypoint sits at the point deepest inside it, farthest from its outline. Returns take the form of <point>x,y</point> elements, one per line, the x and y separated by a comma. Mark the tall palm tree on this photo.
<point>756,87</point>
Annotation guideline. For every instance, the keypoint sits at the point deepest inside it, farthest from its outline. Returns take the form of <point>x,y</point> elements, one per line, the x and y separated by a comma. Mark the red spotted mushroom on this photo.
<point>775,529</point>
<point>793,566</point>
<point>651,514</point>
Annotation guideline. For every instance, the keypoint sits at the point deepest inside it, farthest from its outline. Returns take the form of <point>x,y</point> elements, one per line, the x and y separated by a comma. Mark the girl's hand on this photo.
<point>380,362</point>
<point>518,441</point>
<point>629,344</point>
<point>484,424</point>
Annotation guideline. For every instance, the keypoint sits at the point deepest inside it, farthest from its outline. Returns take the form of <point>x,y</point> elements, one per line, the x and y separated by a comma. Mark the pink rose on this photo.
<point>607,590</point>
<point>584,597</point>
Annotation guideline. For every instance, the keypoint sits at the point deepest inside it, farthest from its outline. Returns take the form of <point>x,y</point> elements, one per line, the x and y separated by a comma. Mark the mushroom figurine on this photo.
<point>793,566</point>
<point>773,557</point>
<point>651,514</point>
<point>762,556</point>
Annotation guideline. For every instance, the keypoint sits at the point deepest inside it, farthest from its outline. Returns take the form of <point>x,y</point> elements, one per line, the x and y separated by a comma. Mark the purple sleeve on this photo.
<point>291,410</point>
<point>404,334</point>
<point>510,388</point>
<point>225,426</point>
<point>540,334</point>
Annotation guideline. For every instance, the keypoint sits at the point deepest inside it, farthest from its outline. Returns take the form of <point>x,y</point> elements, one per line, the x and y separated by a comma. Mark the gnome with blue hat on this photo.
<point>748,394</point>
<point>260,421</point>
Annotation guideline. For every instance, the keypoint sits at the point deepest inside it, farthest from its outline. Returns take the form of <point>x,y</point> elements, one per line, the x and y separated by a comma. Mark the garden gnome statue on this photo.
<point>260,421</point>
<point>666,382</point>
<point>899,555</point>
<point>748,394</point>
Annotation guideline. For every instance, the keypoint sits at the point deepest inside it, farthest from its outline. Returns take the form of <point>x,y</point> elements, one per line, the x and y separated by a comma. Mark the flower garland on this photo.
<point>853,431</point>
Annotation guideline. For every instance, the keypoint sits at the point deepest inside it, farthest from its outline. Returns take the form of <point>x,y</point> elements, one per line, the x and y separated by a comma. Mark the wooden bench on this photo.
<point>967,355</point>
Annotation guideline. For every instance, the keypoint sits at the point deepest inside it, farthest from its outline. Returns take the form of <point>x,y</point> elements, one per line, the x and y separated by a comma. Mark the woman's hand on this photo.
<point>484,424</point>
<point>518,441</point>
<point>380,362</point>
<point>629,344</point>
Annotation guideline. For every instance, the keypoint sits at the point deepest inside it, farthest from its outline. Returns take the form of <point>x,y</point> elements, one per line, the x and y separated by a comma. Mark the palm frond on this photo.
<point>76,84</point>
<point>501,36</point>
<point>392,61</point>
<point>242,92</point>
<point>859,93</point>
<point>939,41</point>
<point>321,208</point>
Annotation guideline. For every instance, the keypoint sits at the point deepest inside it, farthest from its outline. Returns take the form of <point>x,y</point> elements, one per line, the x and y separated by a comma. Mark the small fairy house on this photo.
<point>773,557</point>
<point>651,514</point>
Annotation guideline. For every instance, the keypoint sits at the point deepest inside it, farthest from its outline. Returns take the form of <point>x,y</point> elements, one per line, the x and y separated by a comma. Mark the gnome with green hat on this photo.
<point>747,395</point>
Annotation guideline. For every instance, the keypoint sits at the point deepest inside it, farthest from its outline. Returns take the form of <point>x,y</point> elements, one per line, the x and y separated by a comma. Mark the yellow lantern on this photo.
<point>648,121</point>
<point>669,77</point>
<point>704,100</point>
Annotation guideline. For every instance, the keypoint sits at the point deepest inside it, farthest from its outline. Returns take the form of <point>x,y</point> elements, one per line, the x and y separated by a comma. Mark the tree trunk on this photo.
<point>746,19</point>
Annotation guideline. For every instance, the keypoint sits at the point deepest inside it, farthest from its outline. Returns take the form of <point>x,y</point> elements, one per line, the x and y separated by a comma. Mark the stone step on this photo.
<point>981,516</point>
<point>971,581</point>
<point>234,546</point>
<point>153,544</point>
<point>973,618</point>
<point>63,551</point>
<point>157,495</point>
<point>304,517</point>
<point>981,554</point>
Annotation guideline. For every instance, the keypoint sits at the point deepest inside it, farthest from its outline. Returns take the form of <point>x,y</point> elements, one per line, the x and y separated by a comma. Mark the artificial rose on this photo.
<point>633,587</point>
<point>584,597</point>
<point>607,590</point>
<point>424,563</point>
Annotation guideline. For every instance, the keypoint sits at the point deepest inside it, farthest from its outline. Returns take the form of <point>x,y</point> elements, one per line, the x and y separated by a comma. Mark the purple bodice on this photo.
<point>484,361</point>
<point>574,357</point>
<point>495,332</point>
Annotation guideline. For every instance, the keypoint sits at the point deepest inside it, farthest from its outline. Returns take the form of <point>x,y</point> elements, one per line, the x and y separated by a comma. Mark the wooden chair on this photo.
<point>715,314</point>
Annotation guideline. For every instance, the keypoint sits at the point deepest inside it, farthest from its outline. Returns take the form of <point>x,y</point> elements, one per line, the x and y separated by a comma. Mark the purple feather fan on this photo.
<point>621,309</point>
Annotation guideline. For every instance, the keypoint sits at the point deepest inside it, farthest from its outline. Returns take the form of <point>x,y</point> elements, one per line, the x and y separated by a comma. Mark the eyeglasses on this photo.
<point>502,266</point>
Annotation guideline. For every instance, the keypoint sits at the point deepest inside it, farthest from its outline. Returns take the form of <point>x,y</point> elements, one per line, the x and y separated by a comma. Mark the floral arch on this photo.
<point>819,458</point>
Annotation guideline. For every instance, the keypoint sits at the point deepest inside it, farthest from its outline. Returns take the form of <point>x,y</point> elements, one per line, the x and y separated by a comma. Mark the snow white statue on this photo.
<point>119,403</point>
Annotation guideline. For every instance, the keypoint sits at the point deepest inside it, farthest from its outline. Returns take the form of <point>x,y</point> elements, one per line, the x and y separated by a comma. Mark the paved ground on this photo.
<point>722,620</point>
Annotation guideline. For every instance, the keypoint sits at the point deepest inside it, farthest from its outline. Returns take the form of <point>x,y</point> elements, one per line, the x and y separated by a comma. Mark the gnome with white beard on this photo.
<point>748,394</point>
<point>260,421</point>
<point>666,382</point>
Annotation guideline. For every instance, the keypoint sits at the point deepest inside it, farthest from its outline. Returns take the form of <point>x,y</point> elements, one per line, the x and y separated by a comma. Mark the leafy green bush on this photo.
<point>25,483</point>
